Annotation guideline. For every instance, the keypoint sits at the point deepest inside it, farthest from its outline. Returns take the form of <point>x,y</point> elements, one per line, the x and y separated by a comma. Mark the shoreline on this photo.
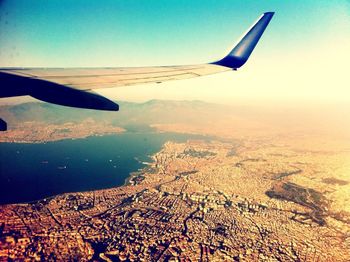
<point>132,179</point>
<point>62,139</point>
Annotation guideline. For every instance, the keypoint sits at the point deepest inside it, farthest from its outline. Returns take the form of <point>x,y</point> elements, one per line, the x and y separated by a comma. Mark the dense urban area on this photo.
<point>255,193</point>
<point>199,201</point>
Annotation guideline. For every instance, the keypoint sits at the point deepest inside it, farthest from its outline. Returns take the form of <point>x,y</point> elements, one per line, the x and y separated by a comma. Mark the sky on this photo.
<point>303,55</point>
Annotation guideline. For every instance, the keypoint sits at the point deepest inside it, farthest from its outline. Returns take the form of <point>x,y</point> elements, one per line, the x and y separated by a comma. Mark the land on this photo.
<point>197,201</point>
<point>279,193</point>
<point>38,132</point>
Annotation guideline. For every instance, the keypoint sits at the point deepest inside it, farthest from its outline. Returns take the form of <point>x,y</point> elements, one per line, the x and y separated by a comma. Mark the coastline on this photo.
<point>135,173</point>
<point>38,133</point>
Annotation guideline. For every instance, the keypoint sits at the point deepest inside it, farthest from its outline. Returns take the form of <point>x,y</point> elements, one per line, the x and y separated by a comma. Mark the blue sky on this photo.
<point>154,32</point>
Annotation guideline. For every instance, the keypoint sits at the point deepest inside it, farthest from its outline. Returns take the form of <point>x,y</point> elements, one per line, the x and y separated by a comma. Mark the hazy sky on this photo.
<point>303,55</point>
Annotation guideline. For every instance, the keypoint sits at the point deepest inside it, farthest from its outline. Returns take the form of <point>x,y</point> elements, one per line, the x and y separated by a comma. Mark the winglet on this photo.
<point>241,52</point>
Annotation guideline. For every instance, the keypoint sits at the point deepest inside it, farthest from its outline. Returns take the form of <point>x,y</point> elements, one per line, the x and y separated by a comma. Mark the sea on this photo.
<point>30,172</point>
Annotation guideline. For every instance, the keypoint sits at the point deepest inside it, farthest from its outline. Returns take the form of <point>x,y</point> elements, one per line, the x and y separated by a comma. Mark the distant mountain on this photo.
<point>130,114</point>
<point>189,116</point>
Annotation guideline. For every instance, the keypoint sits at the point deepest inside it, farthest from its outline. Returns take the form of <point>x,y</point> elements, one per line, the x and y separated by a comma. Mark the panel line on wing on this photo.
<point>137,80</point>
<point>109,74</point>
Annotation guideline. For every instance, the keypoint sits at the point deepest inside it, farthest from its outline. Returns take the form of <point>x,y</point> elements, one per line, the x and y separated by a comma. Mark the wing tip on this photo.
<point>240,53</point>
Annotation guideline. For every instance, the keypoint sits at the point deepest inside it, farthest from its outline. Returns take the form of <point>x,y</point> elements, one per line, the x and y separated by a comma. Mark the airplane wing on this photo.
<point>73,86</point>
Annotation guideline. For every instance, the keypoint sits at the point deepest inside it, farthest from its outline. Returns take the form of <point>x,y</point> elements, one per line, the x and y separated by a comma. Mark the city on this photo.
<point>197,201</point>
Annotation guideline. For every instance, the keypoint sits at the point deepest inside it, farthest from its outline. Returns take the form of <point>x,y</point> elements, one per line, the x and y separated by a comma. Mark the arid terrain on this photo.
<point>270,185</point>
